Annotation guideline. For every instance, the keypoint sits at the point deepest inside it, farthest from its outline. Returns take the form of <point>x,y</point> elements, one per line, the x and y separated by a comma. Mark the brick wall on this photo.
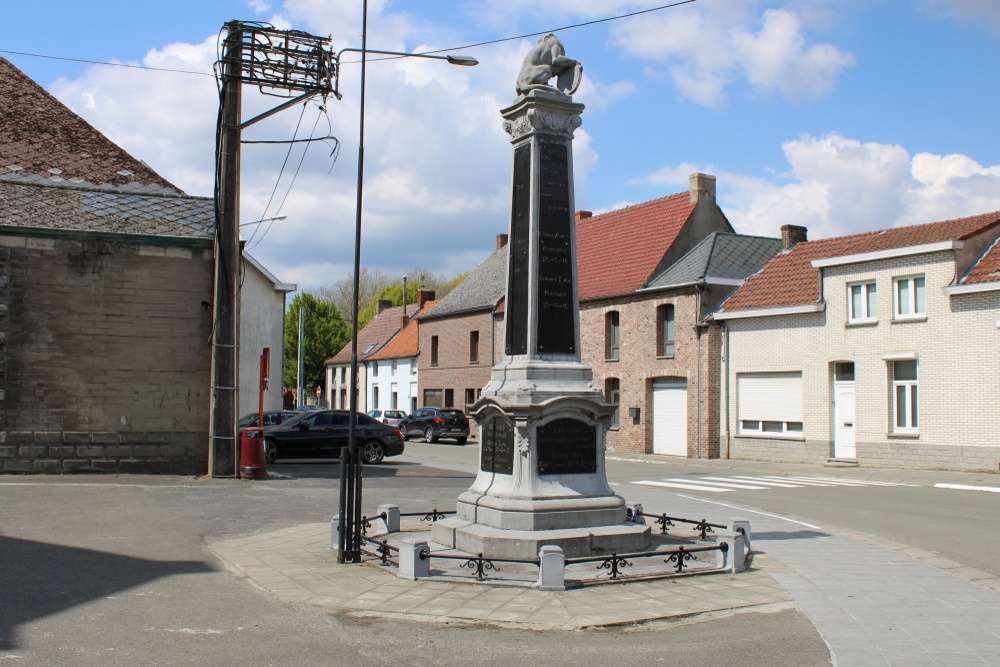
<point>454,370</point>
<point>957,347</point>
<point>638,366</point>
<point>105,356</point>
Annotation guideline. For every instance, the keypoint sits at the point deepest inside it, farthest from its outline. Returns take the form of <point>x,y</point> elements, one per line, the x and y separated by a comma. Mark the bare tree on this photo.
<point>372,281</point>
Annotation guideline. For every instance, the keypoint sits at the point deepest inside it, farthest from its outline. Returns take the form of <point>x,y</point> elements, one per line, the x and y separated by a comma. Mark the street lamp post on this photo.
<point>349,520</point>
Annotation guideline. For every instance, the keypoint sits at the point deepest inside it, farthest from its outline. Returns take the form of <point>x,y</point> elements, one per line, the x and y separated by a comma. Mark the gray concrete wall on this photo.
<point>262,324</point>
<point>105,354</point>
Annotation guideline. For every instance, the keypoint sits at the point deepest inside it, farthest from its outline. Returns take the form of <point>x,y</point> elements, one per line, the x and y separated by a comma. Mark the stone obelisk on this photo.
<point>542,420</point>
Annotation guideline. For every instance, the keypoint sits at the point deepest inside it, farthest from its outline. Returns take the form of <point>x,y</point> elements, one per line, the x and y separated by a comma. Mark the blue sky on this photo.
<point>839,115</point>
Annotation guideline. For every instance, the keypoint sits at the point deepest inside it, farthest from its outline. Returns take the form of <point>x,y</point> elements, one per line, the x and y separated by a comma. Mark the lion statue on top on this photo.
<point>547,59</point>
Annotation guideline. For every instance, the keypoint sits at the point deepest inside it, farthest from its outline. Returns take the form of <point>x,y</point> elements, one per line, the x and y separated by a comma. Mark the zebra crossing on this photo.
<point>755,483</point>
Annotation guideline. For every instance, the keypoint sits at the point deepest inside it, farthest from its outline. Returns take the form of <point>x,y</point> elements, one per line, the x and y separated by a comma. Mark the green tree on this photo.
<point>393,293</point>
<point>324,334</point>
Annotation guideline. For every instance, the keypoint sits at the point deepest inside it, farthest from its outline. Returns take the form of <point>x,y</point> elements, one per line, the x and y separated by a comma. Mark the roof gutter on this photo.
<point>888,254</point>
<point>972,288</point>
<point>702,282</point>
<point>770,312</point>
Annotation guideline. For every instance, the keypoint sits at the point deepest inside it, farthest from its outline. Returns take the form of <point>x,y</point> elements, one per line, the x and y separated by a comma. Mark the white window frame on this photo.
<point>868,291</point>
<point>770,405</point>
<point>909,408</point>
<point>911,298</point>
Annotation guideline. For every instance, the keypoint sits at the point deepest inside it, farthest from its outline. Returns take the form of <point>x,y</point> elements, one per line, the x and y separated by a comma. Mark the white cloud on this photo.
<point>777,58</point>
<point>706,50</point>
<point>436,157</point>
<point>836,186</point>
<point>974,11</point>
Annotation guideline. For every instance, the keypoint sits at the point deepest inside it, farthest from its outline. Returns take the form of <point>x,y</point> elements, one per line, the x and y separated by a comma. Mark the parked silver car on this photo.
<point>390,417</point>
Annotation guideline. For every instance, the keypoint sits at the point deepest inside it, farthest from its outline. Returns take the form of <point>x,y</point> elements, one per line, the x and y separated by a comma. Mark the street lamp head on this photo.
<point>465,61</point>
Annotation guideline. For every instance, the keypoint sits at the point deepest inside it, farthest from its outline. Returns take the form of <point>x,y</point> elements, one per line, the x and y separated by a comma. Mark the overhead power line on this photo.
<point>453,48</point>
<point>98,62</point>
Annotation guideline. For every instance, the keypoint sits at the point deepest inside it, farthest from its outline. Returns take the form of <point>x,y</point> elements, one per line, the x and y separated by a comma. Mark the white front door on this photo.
<point>670,417</point>
<point>843,445</point>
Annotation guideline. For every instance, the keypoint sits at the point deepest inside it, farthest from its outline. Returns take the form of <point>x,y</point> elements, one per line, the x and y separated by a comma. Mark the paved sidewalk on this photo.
<point>298,565</point>
<point>873,601</point>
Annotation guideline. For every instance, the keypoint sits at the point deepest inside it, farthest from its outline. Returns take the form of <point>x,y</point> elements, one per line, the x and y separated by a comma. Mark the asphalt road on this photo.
<point>104,570</point>
<point>901,506</point>
<point>98,570</point>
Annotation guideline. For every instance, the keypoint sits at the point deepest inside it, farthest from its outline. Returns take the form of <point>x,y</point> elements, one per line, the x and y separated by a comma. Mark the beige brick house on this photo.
<point>880,349</point>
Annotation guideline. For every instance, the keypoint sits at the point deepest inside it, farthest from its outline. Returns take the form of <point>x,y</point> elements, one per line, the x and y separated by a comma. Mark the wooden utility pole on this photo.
<point>280,61</point>
<point>226,321</point>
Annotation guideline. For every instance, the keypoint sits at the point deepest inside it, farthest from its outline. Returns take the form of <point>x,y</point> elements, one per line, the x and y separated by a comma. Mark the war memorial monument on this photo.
<point>542,419</point>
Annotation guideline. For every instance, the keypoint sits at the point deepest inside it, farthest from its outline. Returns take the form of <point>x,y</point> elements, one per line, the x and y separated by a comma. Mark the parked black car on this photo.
<point>270,418</point>
<point>325,432</point>
<point>436,423</point>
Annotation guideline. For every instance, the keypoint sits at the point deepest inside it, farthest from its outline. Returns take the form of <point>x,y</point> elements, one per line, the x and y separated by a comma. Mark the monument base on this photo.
<point>476,538</point>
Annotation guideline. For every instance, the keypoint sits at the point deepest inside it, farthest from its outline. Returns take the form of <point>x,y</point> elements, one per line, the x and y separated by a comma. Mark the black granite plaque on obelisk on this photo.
<point>566,447</point>
<point>497,445</point>
<point>556,332</point>
<point>518,268</point>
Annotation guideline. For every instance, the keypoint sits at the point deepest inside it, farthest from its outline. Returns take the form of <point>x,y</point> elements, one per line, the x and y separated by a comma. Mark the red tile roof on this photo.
<point>43,137</point>
<point>618,251</point>
<point>987,269</point>
<point>374,335</point>
<point>789,279</point>
<point>405,343</point>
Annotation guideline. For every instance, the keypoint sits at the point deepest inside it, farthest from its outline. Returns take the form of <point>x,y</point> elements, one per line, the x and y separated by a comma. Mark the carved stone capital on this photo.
<point>554,122</point>
<point>546,112</point>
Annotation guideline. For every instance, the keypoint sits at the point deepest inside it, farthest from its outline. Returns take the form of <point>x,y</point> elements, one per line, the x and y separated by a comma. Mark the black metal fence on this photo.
<point>665,522</point>
<point>478,563</point>
<point>678,559</point>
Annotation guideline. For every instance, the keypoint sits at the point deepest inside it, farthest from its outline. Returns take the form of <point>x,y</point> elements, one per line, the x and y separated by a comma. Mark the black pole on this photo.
<point>342,522</point>
<point>350,509</point>
<point>225,334</point>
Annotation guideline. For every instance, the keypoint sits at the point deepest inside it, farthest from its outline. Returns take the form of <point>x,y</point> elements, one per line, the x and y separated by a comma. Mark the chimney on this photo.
<point>423,296</point>
<point>383,304</point>
<point>583,215</point>
<point>701,187</point>
<point>501,240</point>
<point>792,234</point>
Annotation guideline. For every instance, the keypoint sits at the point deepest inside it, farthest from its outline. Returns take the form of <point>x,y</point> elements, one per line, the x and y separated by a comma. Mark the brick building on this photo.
<point>888,351</point>
<point>648,275</point>
<point>462,338</point>
<point>388,322</point>
<point>676,255</point>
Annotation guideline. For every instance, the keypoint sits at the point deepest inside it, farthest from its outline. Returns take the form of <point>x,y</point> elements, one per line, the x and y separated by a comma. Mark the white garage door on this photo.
<point>670,416</point>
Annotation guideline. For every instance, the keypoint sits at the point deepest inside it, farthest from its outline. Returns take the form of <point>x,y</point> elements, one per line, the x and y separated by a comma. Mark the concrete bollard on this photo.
<point>551,569</point>
<point>390,524</point>
<point>634,513</point>
<point>732,558</point>
<point>411,565</point>
<point>738,525</point>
